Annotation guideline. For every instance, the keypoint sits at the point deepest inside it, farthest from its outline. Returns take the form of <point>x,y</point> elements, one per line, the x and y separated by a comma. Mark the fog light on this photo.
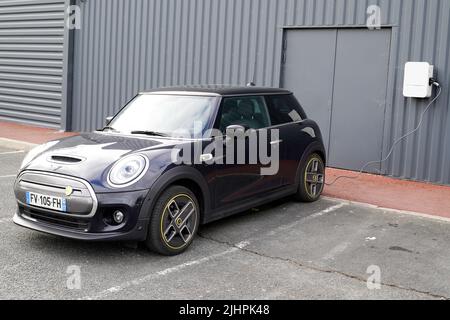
<point>118,217</point>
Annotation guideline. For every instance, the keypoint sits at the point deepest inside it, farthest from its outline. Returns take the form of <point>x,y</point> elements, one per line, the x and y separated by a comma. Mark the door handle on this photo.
<point>276,142</point>
<point>206,157</point>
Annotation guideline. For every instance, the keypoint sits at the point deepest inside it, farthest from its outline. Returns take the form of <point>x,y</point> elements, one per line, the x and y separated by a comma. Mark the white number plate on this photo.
<point>47,202</point>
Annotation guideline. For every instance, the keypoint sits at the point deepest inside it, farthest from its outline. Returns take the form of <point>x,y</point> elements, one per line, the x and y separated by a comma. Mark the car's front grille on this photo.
<point>48,187</point>
<point>54,219</point>
<point>81,201</point>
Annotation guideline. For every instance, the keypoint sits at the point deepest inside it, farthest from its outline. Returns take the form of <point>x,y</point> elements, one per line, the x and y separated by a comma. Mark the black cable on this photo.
<point>422,118</point>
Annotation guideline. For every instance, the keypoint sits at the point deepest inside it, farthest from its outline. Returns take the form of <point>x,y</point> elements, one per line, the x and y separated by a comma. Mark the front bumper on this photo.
<point>89,215</point>
<point>134,235</point>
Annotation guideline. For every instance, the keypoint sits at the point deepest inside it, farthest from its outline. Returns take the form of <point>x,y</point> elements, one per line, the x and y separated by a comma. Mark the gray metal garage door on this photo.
<point>340,77</point>
<point>32,37</point>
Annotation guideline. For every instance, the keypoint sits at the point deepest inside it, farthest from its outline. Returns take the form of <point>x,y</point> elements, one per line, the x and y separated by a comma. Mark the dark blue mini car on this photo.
<point>169,161</point>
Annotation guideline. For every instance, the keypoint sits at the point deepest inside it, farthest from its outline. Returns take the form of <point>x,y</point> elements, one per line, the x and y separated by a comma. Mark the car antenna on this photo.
<point>252,82</point>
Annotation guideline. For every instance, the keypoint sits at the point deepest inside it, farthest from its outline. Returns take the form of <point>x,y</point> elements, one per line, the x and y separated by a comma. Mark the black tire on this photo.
<point>312,179</point>
<point>165,222</point>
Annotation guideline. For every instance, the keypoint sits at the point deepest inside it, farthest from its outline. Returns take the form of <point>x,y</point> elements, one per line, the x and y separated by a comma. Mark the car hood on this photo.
<point>90,156</point>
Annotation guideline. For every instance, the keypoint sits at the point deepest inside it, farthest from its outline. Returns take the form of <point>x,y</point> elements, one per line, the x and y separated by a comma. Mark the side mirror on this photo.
<point>108,120</point>
<point>235,131</point>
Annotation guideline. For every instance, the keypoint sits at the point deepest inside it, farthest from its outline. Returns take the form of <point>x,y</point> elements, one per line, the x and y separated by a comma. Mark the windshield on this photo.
<point>169,115</point>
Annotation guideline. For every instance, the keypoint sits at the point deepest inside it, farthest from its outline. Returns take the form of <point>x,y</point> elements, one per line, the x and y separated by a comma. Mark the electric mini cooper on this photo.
<point>170,161</point>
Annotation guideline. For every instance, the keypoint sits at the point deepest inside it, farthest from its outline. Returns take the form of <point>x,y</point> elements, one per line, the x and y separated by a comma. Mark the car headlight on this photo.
<point>37,151</point>
<point>128,171</point>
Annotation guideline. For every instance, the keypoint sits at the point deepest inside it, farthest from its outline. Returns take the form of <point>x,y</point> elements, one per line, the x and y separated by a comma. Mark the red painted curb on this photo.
<point>30,134</point>
<point>391,193</point>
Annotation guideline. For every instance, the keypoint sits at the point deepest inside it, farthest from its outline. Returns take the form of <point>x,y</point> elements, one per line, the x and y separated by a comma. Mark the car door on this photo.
<point>240,177</point>
<point>287,116</point>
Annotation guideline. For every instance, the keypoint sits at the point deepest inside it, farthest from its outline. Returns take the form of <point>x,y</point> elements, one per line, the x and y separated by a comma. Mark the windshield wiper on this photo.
<point>110,129</point>
<point>150,133</point>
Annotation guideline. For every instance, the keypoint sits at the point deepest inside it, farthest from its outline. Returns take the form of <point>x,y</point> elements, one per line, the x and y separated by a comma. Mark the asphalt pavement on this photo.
<point>287,250</point>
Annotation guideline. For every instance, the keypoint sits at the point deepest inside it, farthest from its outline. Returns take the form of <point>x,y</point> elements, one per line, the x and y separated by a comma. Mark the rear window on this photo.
<point>285,109</point>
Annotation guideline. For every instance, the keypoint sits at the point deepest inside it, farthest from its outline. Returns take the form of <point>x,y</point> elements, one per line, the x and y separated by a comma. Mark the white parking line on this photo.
<point>8,176</point>
<point>336,251</point>
<point>6,220</point>
<point>136,282</point>
<point>294,224</point>
<point>327,211</point>
<point>11,152</point>
<point>153,276</point>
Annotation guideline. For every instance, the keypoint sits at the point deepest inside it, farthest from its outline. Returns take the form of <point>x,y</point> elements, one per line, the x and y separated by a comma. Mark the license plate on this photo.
<point>47,202</point>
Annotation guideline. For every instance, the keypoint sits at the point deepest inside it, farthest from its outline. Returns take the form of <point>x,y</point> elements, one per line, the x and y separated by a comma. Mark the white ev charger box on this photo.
<point>417,80</point>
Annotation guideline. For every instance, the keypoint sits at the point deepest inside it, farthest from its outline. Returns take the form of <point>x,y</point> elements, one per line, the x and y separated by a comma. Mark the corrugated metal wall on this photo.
<point>32,61</point>
<point>127,46</point>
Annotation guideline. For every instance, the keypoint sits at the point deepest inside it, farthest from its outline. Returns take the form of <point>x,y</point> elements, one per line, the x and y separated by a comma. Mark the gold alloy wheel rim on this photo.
<point>178,222</point>
<point>314,177</point>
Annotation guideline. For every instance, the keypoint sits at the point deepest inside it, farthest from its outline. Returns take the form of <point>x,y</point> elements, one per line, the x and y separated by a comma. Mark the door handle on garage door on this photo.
<point>276,142</point>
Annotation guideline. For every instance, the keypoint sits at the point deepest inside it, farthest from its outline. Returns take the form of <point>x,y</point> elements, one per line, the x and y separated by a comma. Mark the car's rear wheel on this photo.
<point>312,179</point>
<point>174,222</point>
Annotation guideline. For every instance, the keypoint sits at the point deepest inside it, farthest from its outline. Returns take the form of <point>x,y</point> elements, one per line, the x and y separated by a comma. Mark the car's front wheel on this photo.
<point>174,222</point>
<point>312,179</point>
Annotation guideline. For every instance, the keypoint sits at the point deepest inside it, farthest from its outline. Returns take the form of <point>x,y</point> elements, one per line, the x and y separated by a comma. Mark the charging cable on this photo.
<point>422,118</point>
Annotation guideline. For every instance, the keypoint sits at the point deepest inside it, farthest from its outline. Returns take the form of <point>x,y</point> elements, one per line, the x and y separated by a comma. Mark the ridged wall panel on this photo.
<point>32,46</point>
<point>126,46</point>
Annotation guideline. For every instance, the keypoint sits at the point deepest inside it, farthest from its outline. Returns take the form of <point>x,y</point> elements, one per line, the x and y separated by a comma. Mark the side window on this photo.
<point>285,109</point>
<point>250,112</point>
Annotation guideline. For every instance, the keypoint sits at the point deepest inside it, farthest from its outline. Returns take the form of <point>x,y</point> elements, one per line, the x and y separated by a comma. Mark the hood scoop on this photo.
<point>65,159</point>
